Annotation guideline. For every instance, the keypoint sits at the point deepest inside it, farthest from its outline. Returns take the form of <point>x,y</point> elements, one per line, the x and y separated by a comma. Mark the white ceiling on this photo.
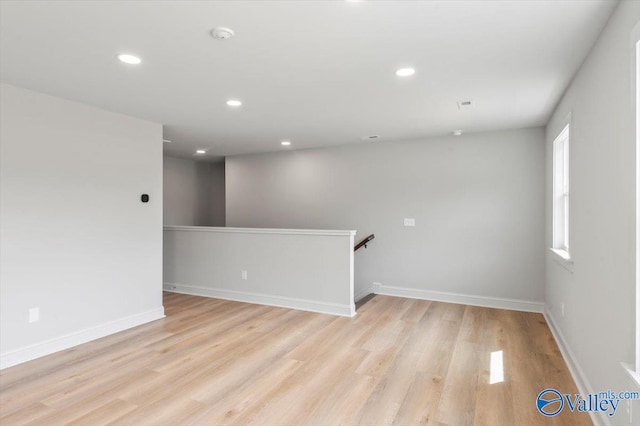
<point>318,73</point>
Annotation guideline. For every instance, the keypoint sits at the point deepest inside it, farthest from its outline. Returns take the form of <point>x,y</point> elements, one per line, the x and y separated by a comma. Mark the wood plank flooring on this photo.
<point>399,361</point>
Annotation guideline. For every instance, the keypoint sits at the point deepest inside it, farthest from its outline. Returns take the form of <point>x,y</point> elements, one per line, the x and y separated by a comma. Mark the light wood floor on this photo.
<point>211,361</point>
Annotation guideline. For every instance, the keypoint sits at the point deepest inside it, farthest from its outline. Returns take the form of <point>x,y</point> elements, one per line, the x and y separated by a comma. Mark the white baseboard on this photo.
<point>264,299</point>
<point>67,341</point>
<point>464,299</point>
<point>363,293</point>
<point>584,387</point>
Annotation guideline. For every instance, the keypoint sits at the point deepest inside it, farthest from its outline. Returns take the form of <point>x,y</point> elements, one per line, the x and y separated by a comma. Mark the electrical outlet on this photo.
<point>409,221</point>
<point>34,314</point>
<point>562,309</point>
<point>244,275</point>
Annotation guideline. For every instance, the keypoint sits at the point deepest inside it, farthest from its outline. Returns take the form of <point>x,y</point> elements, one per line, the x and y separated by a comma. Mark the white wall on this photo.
<point>193,192</point>
<point>478,201</point>
<point>300,269</point>
<point>77,242</point>
<point>599,295</point>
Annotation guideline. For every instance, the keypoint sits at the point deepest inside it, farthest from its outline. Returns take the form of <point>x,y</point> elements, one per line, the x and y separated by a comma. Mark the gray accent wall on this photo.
<point>77,242</point>
<point>477,200</point>
<point>598,290</point>
<point>194,193</point>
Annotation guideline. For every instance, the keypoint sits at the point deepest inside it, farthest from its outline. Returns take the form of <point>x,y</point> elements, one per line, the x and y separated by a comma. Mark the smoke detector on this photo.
<point>222,33</point>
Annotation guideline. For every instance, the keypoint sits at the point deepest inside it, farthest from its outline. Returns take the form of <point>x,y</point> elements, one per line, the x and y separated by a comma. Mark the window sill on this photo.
<point>562,257</point>
<point>635,376</point>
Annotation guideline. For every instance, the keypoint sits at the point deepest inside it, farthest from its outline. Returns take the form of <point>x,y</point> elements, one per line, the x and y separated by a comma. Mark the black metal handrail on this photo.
<point>364,242</point>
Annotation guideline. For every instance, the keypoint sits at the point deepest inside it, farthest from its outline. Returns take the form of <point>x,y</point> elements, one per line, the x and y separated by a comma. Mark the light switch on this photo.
<point>409,221</point>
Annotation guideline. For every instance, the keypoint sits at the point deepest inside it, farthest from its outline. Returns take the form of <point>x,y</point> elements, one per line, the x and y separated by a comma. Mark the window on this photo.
<point>561,194</point>
<point>634,370</point>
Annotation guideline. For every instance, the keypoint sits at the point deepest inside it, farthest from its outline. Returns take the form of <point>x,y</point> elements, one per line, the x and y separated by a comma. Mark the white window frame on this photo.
<point>634,370</point>
<point>561,198</point>
<point>637,106</point>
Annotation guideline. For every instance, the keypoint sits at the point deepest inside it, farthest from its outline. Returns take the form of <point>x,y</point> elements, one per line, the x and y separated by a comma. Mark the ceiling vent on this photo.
<point>465,104</point>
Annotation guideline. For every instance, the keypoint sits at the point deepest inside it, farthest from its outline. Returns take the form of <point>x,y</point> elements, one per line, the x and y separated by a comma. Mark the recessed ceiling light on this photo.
<point>234,103</point>
<point>201,151</point>
<point>285,143</point>
<point>166,141</point>
<point>129,59</point>
<point>222,33</point>
<point>456,132</point>
<point>405,72</point>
